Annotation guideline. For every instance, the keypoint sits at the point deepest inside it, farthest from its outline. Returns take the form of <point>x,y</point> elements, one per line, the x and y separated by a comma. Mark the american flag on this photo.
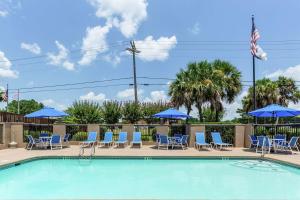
<point>5,96</point>
<point>254,37</point>
<point>256,50</point>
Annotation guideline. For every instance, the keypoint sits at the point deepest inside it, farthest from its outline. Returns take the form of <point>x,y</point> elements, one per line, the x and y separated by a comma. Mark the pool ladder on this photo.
<point>92,152</point>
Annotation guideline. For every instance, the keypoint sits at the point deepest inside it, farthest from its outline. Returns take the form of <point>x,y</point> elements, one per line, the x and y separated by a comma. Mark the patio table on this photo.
<point>45,141</point>
<point>275,143</point>
<point>173,140</point>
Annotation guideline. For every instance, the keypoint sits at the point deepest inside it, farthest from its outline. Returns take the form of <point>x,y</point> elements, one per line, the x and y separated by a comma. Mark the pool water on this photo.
<point>149,179</point>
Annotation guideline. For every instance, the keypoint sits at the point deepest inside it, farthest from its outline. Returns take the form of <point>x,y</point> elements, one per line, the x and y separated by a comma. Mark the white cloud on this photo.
<point>292,72</point>
<point>91,96</point>
<point>111,58</point>
<point>52,103</point>
<point>230,109</point>
<point>129,94</point>
<point>157,95</point>
<point>3,13</point>
<point>94,43</point>
<point>126,15</point>
<point>5,67</point>
<point>195,29</point>
<point>61,58</point>
<point>33,48</point>
<point>155,49</point>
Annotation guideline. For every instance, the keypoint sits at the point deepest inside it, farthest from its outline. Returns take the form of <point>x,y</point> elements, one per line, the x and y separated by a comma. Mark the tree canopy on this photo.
<point>206,83</point>
<point>26,106</point>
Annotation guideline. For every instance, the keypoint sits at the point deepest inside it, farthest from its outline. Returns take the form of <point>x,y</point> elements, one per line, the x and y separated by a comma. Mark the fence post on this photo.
<point>59,129</point>
<point>129,128</point>
<point>192,132</point>
<point>94,128</point>
<point>16,131</point>
<point>248,131</point>
<point>162,129</point>
<point>239,135</point>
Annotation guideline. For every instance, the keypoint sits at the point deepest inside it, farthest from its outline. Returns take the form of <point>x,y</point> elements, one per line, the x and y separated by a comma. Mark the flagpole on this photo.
<point>253,68</point>
<point>18,101</point>
<point>7,98</point>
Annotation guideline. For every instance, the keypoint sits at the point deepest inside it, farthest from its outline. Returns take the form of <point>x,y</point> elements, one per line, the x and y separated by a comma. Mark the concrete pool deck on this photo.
<point>8,156</point>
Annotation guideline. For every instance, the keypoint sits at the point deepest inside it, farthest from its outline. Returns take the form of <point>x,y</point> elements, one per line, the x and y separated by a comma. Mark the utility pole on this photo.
<point>134,51</point>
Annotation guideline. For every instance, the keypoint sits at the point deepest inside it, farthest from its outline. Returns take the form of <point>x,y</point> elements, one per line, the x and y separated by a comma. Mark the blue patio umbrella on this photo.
<point>275,111</point>
<point>171,114</point>
<point>46,112</point>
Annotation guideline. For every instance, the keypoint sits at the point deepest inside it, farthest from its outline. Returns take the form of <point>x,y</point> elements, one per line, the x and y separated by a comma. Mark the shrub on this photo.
<point>80,136</point>
<point>132,112</point>
<point>84,112</point>
<point>111,112</point>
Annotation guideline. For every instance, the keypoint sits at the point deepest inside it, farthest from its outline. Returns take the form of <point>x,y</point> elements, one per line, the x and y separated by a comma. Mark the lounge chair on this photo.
<point>32,142</point>
<point>136,139</point>
<point>164,141</point>
<point>55,142</point>
<point>183,142</point>
<point>91,140</point>
<point>217,140</point>
<point>67,138</point>
<point>292,144</point>
<point>253,141</point>
<point>200,141</point>
<point>122,139</point>
<point>263,143</point>
<point>108,139</point>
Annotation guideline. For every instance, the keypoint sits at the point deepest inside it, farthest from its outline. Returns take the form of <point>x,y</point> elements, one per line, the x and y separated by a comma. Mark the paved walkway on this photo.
<point>8,156</point>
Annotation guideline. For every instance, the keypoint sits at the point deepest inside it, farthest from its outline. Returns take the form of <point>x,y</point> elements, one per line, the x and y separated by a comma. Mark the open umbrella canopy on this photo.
<point>171,114</point>
<point>46,112</point>
<point>274,110</point>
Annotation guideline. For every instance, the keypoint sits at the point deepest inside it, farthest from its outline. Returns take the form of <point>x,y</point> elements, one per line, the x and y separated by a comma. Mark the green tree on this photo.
<point>26,106</point>
<point>281,91</point>
<point>205,83</point>
<point>84,112</point>
<point>111,111</point>
<point>131,112</point>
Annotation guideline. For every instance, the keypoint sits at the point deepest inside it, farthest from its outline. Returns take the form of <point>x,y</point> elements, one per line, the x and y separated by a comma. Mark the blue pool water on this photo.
<point>149,179</point>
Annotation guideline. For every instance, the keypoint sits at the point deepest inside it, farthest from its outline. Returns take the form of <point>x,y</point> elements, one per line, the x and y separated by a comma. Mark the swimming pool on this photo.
<point>149,179</point>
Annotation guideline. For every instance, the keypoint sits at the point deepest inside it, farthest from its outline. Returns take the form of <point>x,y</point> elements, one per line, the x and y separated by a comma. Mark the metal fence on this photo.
<point>148,131</point>
<point>271,129</point>
<point>78,131</point>
<point>177,129</point>
<point>114,128</point>
<point>36,129</point>
<point>226,131</point>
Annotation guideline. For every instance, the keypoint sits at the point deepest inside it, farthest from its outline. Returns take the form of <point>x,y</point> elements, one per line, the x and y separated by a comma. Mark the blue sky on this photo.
<point>70,41</point>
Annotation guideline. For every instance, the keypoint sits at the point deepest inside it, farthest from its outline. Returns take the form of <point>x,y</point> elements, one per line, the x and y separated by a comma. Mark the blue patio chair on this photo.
<point>217,140</point>
<point>164,141</point>
<point>136,139</point>
<point>66,138</point>
<point>178,137</point>
<point>32,142</point>
<point>55,142</point>
<point>280,139</point>
<point>183,142</point>
<point>91,140</point>
<point>43,134</point>
<point>263,143</point>
<point>253,141</point>
<point>292,144</point>
<point>108,139</point>
<point>157,138</point>
<point>122,139</point>
<point>200,140</point>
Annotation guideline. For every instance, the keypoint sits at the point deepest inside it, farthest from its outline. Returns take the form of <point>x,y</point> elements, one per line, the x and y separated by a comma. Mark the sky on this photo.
<point>54,42</point>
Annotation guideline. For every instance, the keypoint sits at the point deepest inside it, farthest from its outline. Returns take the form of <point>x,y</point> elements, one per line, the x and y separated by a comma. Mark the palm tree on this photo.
<point>282,91</point>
